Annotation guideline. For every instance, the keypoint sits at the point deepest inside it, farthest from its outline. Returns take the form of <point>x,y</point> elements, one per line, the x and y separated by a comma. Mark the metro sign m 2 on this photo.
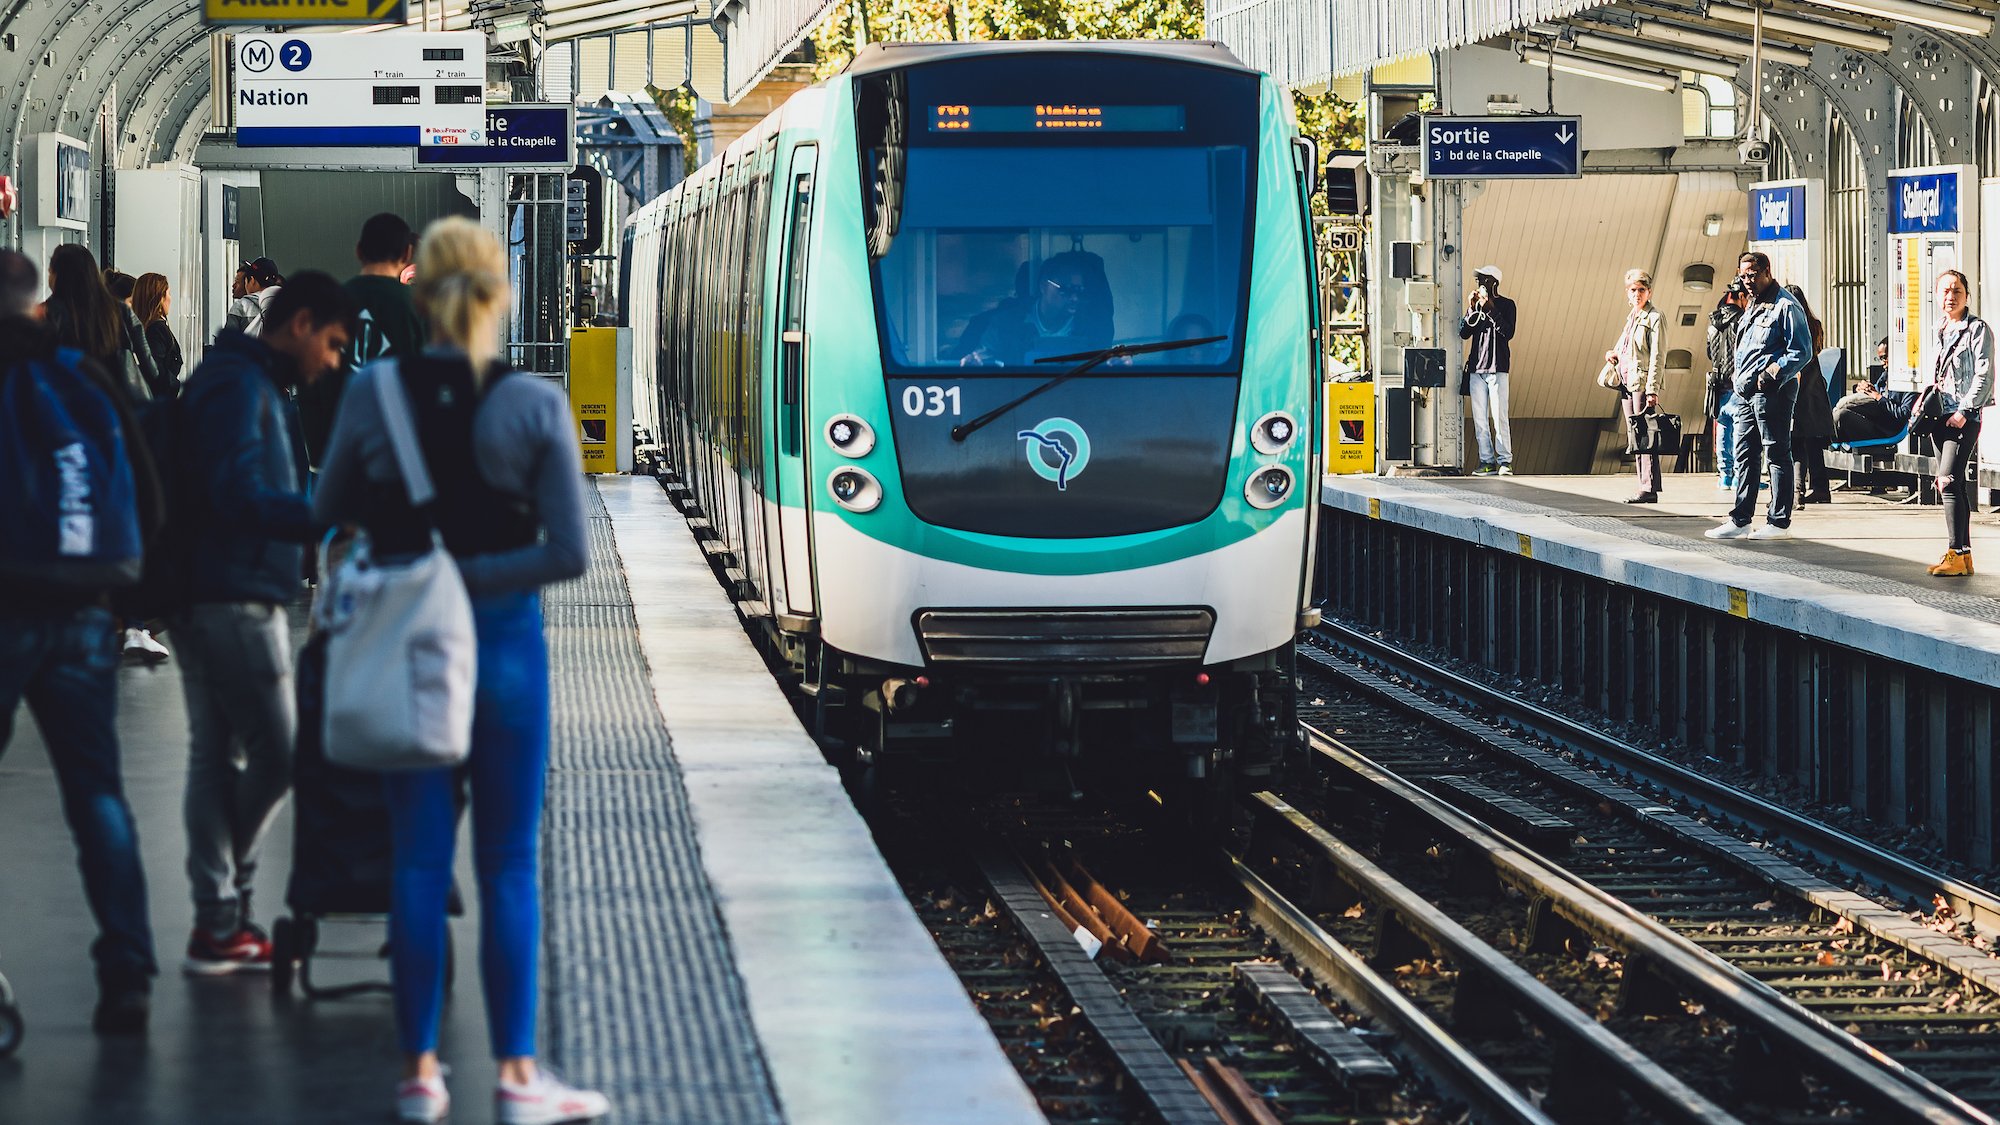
<point>1502,148</point>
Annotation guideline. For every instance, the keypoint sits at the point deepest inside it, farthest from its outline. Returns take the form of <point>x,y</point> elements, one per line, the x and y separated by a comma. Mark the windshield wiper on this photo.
<point>1084,362</point>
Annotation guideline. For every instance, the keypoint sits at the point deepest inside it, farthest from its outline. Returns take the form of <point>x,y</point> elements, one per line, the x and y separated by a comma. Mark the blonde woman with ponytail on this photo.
<point>503,457</point>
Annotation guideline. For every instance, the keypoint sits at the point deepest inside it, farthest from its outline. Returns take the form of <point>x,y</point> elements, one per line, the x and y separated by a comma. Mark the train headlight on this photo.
<point>850,436</point>
<point>1269,486</point>
<point>855,489</point>
<point>1273,432</point>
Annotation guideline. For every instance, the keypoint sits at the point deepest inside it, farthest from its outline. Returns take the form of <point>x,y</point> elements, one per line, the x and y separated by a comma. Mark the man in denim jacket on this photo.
<point>1773,344</point>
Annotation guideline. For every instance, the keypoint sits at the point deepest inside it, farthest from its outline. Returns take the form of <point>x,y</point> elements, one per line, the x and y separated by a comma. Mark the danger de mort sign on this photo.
<point>1502,148</point>
<point>302,12</point>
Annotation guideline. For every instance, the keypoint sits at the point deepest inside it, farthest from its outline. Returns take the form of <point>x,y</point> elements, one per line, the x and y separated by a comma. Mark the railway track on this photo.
<point>1215,1027</point>
<point>1695,934</point>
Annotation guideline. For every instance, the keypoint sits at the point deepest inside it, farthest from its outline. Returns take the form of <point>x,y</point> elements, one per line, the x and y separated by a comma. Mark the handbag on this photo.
<point>1653,432</point>
<point>401,654</point>
<point>1927,415</point>
<point>1609,379</point>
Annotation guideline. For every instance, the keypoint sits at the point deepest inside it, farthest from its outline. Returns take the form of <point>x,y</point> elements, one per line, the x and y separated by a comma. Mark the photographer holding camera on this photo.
<point>1773,344</point>
<point>1489,325</point>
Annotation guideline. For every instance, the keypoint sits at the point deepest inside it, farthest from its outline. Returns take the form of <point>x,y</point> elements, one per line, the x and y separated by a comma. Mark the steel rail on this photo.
<point>1162,1084</point>
<point>1862,1072</point>
<point>1900,876</point>
<point>1495,979</point>
<point>1492,1098</point>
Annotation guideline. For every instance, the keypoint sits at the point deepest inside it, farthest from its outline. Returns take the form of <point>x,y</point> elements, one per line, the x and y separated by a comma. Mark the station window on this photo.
<point>1986,129</point>
<point>1915,146</point>
<point>1849,234</point>
<point>1708,107</point>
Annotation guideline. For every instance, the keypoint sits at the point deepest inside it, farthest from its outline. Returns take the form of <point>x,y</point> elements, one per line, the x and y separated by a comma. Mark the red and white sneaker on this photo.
<point>422,1101</point>
<point>546,1101</point>
<point>247,950</point>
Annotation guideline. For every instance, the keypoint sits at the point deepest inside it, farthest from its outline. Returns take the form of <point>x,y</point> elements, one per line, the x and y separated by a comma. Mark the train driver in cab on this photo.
<point>1069,310</point>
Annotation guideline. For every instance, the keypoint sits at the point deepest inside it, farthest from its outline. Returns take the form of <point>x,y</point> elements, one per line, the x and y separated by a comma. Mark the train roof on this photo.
<point>895,56</point>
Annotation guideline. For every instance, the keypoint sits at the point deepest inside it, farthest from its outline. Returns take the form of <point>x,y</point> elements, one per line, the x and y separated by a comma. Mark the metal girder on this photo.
<point>187,56</point>
<point>153,46</point>
<point>1852,85</point>
<point>184,90</point>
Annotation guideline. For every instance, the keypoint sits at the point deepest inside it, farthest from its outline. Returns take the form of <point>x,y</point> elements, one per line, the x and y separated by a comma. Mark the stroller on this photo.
<point>342,855</point>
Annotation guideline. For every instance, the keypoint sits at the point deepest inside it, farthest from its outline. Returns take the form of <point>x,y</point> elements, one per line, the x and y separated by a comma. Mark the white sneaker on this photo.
<point>422,1101</point>
<point>546,1101</point>
<point>1730,530</point>
<point>1771,531</point>
<point>140,646</point>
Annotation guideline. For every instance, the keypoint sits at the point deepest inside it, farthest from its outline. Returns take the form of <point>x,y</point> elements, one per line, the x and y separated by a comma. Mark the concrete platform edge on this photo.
<point>860,1017</point>
<point>1893,627</point>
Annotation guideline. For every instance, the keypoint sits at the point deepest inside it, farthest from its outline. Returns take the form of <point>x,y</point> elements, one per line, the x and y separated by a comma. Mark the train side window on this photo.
<point>797,262</point>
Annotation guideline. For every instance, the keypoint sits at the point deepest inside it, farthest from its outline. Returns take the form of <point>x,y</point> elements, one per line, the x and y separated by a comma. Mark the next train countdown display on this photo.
<point>1066,117</point>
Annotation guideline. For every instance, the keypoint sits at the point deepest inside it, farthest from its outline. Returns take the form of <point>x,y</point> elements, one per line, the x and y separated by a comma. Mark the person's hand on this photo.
<point>1944,482</point>
<point>1956,421</point>
<point>976,358</point>
<point>1611,357</point>
<point>1652,401</point>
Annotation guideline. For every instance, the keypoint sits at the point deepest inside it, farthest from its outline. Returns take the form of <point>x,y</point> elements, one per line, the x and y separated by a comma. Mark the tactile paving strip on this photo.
<point>1964,605</point>
<point>640,995</point>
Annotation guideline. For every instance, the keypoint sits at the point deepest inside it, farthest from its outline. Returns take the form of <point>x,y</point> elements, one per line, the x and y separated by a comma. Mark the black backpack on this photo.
<point>167,580</point>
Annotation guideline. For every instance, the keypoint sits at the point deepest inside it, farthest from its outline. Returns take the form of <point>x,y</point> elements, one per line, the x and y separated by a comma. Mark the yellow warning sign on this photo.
<point>297,13</point>
<point>1350,427</point>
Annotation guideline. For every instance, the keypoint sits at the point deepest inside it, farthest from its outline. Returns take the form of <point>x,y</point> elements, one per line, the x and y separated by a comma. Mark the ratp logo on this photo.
<point>1058,450</point>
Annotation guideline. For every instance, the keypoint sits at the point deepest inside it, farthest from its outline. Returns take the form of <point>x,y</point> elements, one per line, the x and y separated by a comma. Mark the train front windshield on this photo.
<point>1093,201</point>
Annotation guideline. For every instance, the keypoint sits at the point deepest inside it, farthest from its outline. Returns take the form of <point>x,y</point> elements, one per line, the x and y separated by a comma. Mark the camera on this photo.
<point>1754,151</point>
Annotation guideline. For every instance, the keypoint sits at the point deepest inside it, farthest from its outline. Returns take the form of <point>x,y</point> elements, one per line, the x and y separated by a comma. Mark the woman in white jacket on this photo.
<point>1637,357</point>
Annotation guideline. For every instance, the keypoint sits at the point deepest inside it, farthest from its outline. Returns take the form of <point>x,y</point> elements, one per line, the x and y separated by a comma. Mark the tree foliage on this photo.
<point>945,21</point>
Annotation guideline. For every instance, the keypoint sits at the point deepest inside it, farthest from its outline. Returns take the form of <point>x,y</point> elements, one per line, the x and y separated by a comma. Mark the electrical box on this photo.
<point>1403,260</point>
<point>1421,296</point>
<point>1395,424</point>
<point>1423,367</point>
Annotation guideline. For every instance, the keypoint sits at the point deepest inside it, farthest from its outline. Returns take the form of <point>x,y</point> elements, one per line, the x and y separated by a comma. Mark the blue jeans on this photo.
<point>1764,430</point>
<point>65,665</point>
<point>1725,445</point>
<point>507,769</point>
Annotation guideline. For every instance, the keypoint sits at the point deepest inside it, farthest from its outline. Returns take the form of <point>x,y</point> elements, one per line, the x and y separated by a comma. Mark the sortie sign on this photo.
<point>1502,148</point>
<point>302,13</point>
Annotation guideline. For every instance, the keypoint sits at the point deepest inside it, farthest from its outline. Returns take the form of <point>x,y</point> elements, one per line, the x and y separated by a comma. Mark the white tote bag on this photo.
<point>401,654</point>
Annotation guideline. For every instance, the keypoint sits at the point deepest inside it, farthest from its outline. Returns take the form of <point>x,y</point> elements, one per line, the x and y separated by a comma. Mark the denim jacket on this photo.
<point>1965,367</point>
<point>1769,332</point>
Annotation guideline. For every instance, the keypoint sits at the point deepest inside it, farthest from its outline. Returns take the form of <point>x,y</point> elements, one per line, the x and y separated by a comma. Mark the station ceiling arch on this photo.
<point>138,74</point>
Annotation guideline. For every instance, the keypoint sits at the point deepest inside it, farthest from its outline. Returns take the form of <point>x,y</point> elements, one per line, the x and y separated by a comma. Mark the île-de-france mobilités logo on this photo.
<point>1058,450</point>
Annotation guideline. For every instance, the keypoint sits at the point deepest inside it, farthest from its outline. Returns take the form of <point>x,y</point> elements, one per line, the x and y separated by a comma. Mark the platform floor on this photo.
<point>1853,570</point>
<point>722,943</point>
<point>1873,544</point>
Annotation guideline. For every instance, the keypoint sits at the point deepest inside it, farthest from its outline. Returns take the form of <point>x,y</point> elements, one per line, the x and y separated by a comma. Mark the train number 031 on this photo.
<point>931,401</point>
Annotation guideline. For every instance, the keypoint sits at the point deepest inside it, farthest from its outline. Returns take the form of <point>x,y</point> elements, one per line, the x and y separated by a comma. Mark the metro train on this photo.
<point>988,372</point>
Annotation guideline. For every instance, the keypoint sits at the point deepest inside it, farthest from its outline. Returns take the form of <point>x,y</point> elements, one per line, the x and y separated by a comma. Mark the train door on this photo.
<point>757,569</point>
<point>789,389</point>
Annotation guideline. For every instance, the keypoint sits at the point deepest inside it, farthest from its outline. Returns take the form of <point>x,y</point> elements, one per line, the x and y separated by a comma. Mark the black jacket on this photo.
<point>1722,325</point>
<point>1812,418</point>
<point>1489,329</point>
<point>248,518</point>
<point>167,359</point>
<point>22,339</point>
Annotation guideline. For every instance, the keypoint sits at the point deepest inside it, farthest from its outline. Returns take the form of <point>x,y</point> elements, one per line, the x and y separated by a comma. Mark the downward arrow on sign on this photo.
<point>1564,134</point>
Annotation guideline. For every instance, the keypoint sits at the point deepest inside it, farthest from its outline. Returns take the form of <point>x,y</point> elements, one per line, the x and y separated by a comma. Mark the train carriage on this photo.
<point>988,372</point>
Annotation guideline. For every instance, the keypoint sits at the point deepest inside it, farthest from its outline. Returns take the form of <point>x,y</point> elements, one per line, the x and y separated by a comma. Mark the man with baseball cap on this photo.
<point>1489,326</point>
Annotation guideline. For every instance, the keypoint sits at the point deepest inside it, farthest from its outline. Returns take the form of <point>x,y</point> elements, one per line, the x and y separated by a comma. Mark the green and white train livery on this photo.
<point>988,371</point>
